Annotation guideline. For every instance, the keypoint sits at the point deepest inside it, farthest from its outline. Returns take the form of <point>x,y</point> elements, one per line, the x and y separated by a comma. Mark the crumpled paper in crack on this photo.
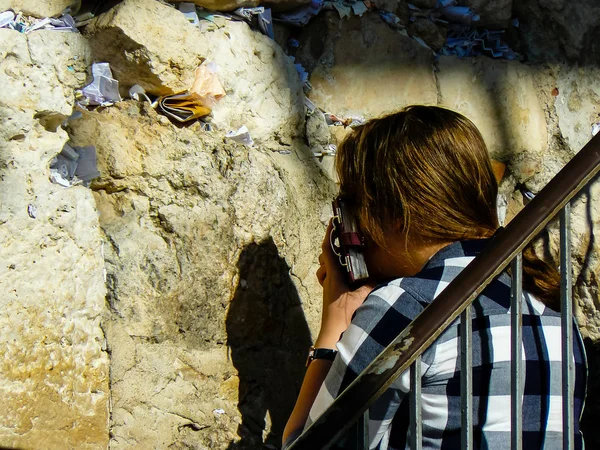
<point>242,135</point>
<point>104,89</point>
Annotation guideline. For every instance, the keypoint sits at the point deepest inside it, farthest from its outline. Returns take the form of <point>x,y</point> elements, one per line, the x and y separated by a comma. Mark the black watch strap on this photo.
<point>320,353</point>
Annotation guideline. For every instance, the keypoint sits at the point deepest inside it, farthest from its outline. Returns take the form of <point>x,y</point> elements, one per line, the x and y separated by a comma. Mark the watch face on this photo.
<point>320,353</point>
<point>310,357</point>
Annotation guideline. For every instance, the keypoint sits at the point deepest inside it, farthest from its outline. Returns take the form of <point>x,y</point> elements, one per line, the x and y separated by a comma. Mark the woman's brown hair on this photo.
<point>426,169</point>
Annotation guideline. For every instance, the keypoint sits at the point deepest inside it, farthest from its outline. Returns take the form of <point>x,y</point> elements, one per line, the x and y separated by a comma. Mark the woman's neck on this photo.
<point>403,255</point>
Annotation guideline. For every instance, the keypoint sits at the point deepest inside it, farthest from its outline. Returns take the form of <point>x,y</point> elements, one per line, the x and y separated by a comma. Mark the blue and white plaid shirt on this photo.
<point>391,307</point>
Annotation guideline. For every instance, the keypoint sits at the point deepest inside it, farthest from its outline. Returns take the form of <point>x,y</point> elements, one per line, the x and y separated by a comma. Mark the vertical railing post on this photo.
<point>362,432</point>
<point>466,380</point>
<point>416,426</point>
<point>516,365</point>
<point>568,368</point>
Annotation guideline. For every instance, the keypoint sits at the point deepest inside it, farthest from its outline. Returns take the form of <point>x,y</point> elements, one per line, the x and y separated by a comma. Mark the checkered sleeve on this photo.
<point>392,307</point>
<point>384,314</point>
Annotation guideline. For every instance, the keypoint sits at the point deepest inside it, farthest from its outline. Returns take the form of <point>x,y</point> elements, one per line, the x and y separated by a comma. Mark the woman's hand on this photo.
<point>339,304</point>
<point>339,301</point>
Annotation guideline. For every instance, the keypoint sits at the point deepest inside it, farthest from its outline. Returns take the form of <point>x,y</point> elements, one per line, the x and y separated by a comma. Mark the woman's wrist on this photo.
<point>327,339</point>
<point>332,327</point>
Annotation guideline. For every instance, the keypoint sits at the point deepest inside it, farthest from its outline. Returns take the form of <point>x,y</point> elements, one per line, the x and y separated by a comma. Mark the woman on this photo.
<point>420,183</point>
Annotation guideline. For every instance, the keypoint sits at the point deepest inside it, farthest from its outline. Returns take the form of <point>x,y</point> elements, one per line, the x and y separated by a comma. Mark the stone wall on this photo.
<point>54,381</point>
<point>187,268</point>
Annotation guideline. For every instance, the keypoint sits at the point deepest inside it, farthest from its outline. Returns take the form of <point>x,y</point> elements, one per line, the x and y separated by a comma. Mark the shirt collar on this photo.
<point>460,249</point>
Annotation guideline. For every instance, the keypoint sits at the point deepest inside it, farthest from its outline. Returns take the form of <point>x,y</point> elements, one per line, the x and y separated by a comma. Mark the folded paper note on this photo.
<point>183,106</point>
<point>242,135</point>
<point>196,102</point>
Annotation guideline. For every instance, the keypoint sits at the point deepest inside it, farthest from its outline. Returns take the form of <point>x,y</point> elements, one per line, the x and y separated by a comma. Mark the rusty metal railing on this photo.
<point>453,302</point>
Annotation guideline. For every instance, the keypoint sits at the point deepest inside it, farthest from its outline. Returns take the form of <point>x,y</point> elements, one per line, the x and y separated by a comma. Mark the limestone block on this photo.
<point>318,137</point>
<point>230,5</point>
<point>37,8</point>
<point>317,130</point>
<point>53,364</point>
<point>548,31</point>
<point>263,89</point>
<point>209,246</point>
<point>148,43</point>
<point>578,104</point>
<point>500,98</point>
<point>432,34</point>
<point>33,80</point>
<point>54,372</point>
<point>362,67</point>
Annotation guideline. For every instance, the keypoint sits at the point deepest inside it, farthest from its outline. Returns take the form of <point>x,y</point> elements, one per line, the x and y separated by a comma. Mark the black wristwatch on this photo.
<point>320,353</point>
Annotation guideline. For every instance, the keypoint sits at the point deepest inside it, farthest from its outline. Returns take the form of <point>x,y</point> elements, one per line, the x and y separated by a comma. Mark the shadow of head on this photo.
<point>268,339</point>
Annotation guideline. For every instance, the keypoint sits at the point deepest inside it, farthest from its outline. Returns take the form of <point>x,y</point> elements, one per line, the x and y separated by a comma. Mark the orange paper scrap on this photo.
<point>207,85</point>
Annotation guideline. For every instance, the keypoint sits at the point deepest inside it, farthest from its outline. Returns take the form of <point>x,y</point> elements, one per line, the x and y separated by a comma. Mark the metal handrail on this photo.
<point>460,293</point>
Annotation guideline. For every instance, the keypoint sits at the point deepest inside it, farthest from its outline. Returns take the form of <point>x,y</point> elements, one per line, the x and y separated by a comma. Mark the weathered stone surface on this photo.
<point>432,34</point>
<point>318,137</point>
<point>53,369</point>
<point>317,130</point>
<point>209,245</point>
<point>263,88</point>
<point>577,107</point>
<point>139,56</point>
<point>362,67</point>
<point>500,98</point>
<point>37,8</point>
<point>578,104</point>
<point>493,13</point>
<point>230,5</point>
<point>559,30</point>
<point>33,81</point>
<point>254,70</point>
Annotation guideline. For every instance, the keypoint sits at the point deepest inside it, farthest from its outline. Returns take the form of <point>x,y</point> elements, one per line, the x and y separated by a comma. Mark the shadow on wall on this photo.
<point>591,412</point>
<point>268,339</point>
